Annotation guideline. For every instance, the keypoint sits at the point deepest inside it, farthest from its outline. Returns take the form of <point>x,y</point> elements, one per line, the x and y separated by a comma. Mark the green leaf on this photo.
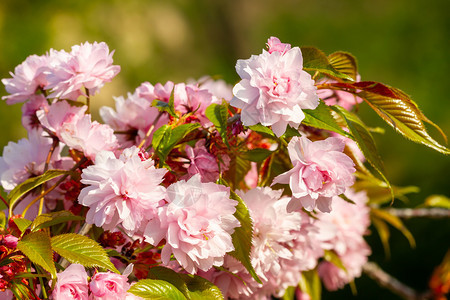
<point>315,60</point>
<point>237,170</point>
<point>256,155</point>
<point>156,290</point>
<point>172,277</point>
<point>30,184</point>
<point>321,118</point>
<point>22,223</point>
<point>365,142</point>
<point>262,130</point>
<point>346,199</point>
<point>165,107</point>
<point>166,138</point>
<point>384,233</point>
<point>50,219</point>
<point>290,132</point>
<point>218,115</point>
<point>243,235</point>
<point>437,201</point>
<point>310,284</point>
<point>345,63</point>
<point>378,193</point>
<point>333,258</point>
<point>397,109</point>
<point>36,246</point>
<point>289,294</point>
<point>2,220</point>
<point>396,222</point>
<point>199,288</point>
<point>79,249</point>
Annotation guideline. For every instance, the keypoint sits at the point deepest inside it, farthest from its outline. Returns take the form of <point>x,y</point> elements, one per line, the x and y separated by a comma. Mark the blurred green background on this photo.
<point>402,43</point>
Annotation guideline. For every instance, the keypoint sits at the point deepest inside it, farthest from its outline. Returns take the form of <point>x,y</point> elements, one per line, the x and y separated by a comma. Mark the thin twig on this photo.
<point>406,213</point>
<point>394,285</point>
<point>150,130</point>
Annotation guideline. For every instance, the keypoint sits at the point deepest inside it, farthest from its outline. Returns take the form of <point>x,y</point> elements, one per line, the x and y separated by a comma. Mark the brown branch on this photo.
<point>385,280</point>
<point>407,213</point>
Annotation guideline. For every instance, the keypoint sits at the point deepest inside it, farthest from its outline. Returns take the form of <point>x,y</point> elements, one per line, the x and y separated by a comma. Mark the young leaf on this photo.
<point>156,290</point>
<point>2,220</point>
<point>322,118</point>
<point>169,137</point>
<point>384,233</point>
<point>289,294</point>
<point>242,236</point>
<point>256,155</point>
<point>262,130</point>
<point>437,201</point>
<point>36,246</point>
<point>30,184</point>
<point>310,284</point>
<point>22,223</point>
<point>315,60</point>
<point>364,141</point>
<point>345,63</point>
<point>79,249</point>
<point>199,288</point>
<point>50,219</point>
<point>237,170</point>
<point>165,107</point>
<point>333,258</point>
<point>397,109</point>
<point>172,277</point>
<point>396,222</point>
<point>218,115</point>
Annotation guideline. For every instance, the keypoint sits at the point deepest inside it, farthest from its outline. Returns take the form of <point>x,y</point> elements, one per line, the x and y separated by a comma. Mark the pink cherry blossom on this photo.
<point>204,163</point>
<point>89,66</point>
<point>273,227</point>
<point>160,92</point>
<point>25,159</point>
<point>197,223</point>
<point>53,117</point>
<point>218,88</point>
<point>275,45</point>
<point>121,191</point>
<point>274,89</point>
<point>29,109</point>
<point>320,172</point>
<point>71,284</point>
<point>132,118</point>
<point>345,226</point>
<point>27,78</point>
<point>109,285</point>
<point>87,136</point>
<point>192,99</point>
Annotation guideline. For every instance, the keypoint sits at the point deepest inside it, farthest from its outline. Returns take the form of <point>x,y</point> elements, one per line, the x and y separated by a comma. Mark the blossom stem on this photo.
<point>406,213</point>
<point>4,201</point>
<point>387,281</point>
<point>43,194</point>
<point>88,101</point>
<point>150,130</point>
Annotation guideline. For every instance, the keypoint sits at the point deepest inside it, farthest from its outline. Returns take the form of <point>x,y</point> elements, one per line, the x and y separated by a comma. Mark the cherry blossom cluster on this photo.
<point>180,208</point>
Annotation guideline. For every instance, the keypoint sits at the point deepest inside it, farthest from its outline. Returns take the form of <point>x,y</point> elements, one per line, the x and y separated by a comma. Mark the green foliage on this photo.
<point>322,118</point>
<point>310,284</point>
<point>379,218</point>
<point>242,236</point>
<point>345,63</point>
<point>37,247</point>
<point>437,201</point>
<point>156,290</point>
<point>239,167</point>
<point>79,249</point>
<point>315,60</point>
<point>2,220</point>
<point>262,130</point>
<point>53,218</point>
<point>333,258</point>
<point>166,138</point>
<point>165,107</point>
<point>29,184</point>
<point>22,223</point>
<point>256,155</point>
<point>218,115</point>
<point>397,109</point>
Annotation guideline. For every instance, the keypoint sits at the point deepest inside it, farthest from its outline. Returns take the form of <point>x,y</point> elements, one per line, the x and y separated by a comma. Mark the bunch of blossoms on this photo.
<point>243,192</point>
